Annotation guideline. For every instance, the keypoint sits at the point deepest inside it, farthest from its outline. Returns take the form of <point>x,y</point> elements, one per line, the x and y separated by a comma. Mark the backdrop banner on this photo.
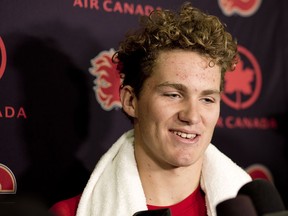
<point>59,103</point>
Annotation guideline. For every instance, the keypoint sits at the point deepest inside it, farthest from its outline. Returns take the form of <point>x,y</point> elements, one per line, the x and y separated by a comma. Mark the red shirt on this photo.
<point>194,204</point>
<point>66,207</point>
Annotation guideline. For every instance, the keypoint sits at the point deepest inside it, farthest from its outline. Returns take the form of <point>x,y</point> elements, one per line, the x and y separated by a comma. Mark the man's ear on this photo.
<point>129,101</point>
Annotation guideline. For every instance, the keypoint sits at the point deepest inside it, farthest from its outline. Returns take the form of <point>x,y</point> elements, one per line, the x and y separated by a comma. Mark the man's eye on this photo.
<point>208,100</point>
<point>172,95</point>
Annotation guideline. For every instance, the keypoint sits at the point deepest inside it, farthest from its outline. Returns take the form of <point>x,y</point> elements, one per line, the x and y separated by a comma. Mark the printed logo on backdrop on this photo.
<point>243,8</point>
<point>110,6</point>
<point>242,88</point>
<point>8,112</point>
<point>3,58</point>
<point>11,112</point>
<point>7,180</point>
<point>259,171</point>
<point>107,80</point>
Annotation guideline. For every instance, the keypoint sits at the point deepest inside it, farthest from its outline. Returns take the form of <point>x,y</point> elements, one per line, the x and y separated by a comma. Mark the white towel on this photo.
<point>114,187</point>
<point>221,178</point>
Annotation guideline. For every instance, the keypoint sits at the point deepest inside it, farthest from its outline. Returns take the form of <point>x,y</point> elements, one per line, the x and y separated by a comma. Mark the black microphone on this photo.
<point>158,212</point>
<point>12,205</point>
<point>282,213</point>
<point>238,206</point>
<point>265,198</point>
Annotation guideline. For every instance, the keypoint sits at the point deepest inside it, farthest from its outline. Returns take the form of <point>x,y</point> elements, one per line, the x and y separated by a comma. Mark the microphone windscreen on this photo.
<point>24,209</point>
<point>264,196</point>
<point>158,212</point>
<point>282,213</point>
<point>238,206</point>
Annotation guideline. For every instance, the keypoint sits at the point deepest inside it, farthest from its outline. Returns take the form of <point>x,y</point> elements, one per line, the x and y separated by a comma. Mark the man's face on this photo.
<point>177,110</point>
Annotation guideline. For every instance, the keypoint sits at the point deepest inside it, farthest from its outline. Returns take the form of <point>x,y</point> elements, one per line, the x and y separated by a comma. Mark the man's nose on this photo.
<point>190,113</point>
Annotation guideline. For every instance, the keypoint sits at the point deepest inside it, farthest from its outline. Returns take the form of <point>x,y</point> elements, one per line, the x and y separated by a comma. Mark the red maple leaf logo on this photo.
<point>240,80</point>
<point>244,84</point>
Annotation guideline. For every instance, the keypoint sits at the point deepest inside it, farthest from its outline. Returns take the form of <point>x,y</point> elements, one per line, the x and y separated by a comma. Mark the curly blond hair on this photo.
<point>189,29</point>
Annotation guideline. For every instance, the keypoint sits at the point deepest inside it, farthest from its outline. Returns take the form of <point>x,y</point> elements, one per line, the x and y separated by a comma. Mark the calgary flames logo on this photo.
<point>242,87</point>
<point>7,180</point>
<point>241,7</point>
<point>107,80</point>
<point>3,58</point>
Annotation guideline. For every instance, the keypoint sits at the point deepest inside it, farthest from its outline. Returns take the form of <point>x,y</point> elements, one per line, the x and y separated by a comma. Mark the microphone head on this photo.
<point>22,206</point>
<point>158,212</point>
<point>238,206</point>
<point>264,196</point>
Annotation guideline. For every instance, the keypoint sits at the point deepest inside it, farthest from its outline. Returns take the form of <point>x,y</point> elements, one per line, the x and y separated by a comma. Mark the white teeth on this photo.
<point>185,135</point>
<point>189,136</point>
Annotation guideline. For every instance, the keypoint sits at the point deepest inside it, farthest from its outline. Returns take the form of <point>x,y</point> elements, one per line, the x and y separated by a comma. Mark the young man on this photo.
<point>173,69</point>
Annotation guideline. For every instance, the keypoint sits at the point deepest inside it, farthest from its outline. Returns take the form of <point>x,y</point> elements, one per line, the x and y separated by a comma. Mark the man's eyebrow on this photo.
<point>176,86</point>
<point>211,91</point>
<point>182,87</point>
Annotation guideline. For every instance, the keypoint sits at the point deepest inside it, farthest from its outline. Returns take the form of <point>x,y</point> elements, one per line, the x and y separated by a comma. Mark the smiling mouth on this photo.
<point>185,135</point>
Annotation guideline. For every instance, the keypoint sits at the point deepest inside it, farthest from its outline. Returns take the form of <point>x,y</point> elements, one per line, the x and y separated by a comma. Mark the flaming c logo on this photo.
<point>242,86</point>
<point>3,58</point>
<point>241,7</point>
<point>7,180</point>
<point>107,80</point>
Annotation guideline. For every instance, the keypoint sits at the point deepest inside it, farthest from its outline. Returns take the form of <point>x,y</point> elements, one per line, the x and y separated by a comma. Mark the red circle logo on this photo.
<point>7,180</point>
<point>242,87</point>
<point>3,58</point>
<point>259,171</point>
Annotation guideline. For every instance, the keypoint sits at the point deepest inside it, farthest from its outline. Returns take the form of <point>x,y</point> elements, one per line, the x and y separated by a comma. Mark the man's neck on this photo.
<point>163,187</point>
